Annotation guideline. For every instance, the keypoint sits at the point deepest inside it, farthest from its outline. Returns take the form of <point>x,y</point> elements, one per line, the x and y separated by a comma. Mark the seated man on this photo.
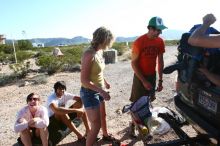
<point>32,120</point>
<point>57,110</point>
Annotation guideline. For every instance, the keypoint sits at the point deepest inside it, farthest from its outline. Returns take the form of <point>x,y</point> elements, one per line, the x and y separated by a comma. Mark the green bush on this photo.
<point>47,49</point>
<point>50,64</point>
<point>6,48</point>
<point>24,45</point>
<point>171,42</point>
<point>38,54</point>
<point>73,55</point>
<point>7,79</point>
<point>23,55</point>
<point>20,69</point>
<point>5,57</point>
<point>120,47</point>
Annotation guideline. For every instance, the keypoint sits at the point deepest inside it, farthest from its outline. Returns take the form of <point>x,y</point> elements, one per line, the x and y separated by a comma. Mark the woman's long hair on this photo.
<point>101,36</point>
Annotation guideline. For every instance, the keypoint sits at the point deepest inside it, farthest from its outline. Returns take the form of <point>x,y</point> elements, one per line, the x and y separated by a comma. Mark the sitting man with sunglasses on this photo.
<point>32,121</point>
<point>147,50</point>
<point>58,111</point>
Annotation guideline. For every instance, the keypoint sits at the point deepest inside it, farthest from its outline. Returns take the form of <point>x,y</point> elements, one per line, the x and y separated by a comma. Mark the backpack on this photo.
<point>189,56</point>
<point>140,108</point>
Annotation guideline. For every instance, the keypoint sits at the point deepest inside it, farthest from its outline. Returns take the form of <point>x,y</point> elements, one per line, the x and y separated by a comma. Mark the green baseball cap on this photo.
<point>157,22</point>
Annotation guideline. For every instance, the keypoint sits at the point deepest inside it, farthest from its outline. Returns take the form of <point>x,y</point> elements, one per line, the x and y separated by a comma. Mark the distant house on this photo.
<point>2,39</point>
<point>38,45</point>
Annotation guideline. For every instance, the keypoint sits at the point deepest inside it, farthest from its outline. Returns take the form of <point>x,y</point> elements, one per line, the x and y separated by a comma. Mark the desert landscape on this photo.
<point>119,75</point>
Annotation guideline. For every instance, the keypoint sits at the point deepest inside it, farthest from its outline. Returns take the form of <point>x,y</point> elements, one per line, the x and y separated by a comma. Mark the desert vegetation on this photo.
<point>48,64</point>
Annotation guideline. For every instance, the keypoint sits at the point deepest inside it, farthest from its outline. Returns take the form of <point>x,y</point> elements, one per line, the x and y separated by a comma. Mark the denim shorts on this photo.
<point>90,99</point>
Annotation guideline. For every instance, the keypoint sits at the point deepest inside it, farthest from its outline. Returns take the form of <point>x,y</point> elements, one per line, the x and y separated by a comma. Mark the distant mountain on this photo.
<point>167,35</point>
<point>172,34</point>
<point>126,39</point>
<point>61,41</point>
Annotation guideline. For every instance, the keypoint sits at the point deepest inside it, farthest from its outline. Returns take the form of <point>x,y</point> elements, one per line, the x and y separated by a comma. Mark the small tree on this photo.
<point>6,48</point>
<point>20,69</point>
<point>50,64</point>
<point>24,45</point>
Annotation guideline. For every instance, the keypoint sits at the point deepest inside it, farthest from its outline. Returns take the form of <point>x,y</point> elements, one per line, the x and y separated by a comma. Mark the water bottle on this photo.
<point>144,130</point>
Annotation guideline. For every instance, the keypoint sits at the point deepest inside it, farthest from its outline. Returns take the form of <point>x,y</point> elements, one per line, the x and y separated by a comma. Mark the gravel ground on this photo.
<point>119,75</point>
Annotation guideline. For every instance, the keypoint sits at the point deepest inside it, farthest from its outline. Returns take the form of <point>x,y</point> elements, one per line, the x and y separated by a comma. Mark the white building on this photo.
<point>38,45</point>
<point>2,39</point>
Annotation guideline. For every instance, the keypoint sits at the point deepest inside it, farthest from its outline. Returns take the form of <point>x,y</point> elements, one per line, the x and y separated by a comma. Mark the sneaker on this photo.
<point>171,68</point>
<point>126,108</point>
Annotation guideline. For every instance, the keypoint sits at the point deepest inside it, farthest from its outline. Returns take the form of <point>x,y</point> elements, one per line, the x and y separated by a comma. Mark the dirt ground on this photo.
<point>119,75</point>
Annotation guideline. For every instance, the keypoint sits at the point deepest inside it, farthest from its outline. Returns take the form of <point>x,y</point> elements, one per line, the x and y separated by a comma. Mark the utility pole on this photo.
<point>14,51</point>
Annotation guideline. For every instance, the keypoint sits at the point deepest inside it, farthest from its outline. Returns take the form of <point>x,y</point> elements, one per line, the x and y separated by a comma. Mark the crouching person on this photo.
<point>32,121</point>
<point>58,112</point>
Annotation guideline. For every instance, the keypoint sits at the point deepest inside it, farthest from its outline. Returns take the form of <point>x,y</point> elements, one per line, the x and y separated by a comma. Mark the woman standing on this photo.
<point>94,84</point>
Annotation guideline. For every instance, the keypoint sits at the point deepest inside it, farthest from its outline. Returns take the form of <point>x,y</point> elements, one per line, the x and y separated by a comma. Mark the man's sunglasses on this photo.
<point>30,99</point>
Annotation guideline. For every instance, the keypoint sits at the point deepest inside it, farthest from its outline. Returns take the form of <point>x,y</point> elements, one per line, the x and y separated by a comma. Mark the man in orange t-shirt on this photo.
<point>148,50</point>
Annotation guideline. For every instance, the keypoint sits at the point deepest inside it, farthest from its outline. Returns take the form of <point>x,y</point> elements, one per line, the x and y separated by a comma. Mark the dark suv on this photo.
<point>197,99</point>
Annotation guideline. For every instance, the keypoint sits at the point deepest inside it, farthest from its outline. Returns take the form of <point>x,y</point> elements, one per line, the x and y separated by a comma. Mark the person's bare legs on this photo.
<point>86,123</point>
<point>95,121</point>
<point>67,121</point>
<point>103,119</point>
<point>44,135</point>
<point>78,104</point>
<point>26,137</point>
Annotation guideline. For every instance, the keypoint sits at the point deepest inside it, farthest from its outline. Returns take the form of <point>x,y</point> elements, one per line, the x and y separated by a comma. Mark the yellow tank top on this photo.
<point>97,68</point>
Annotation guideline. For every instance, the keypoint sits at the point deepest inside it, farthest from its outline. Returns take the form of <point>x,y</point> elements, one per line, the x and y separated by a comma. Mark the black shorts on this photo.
<point>138,90</point>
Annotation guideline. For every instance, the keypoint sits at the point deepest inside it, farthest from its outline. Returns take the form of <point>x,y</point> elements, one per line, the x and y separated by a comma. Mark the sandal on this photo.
<point>109,138</point>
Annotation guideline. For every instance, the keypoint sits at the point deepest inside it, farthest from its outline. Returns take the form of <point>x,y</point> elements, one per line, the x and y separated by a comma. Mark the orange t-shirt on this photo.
<point>148,50</point>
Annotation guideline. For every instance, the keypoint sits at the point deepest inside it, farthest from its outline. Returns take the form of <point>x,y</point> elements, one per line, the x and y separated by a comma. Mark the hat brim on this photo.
<point>161,27</point>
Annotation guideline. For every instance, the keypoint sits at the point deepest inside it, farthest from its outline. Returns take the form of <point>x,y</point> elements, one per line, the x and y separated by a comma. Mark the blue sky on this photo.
<point>25,19</point>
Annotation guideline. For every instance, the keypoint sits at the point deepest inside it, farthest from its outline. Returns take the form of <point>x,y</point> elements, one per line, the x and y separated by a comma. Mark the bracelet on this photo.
<point>161,81</point>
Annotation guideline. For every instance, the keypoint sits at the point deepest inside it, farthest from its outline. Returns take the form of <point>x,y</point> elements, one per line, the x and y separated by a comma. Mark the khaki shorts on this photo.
<point>138,89</point>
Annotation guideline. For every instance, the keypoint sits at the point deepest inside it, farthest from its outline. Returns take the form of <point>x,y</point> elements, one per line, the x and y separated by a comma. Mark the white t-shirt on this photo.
<point>60,102</point>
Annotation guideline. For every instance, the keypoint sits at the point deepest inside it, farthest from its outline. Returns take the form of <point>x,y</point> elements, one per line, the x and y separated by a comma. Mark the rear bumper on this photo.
<point>197,121</point>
